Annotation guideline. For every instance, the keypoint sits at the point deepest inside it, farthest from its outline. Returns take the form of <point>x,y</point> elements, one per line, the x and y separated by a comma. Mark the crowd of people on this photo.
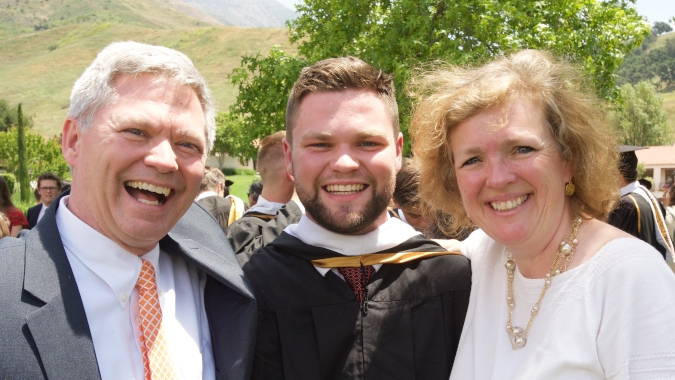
<point>486,255</point>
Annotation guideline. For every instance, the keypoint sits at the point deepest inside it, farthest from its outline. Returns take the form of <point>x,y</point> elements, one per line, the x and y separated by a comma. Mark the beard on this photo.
<point>345,220</point>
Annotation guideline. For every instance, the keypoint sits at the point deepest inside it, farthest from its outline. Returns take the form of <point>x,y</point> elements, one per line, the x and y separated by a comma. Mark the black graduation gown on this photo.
<point>219,207</point>
<point>626,216</point>
<point>312,327</point>
<point>254,230</point>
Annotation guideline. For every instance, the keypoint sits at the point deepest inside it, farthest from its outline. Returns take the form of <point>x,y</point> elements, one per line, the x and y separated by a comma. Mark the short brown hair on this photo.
<point>212,177</point>
<point>406,192</point>
<point>49,176</point>
<point>451,95</point>
<point>270,151</point>
<point>339,74</point>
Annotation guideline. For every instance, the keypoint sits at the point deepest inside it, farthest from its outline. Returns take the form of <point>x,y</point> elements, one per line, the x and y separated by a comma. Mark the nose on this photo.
<point>162,157</point>
<point>345,161</point>
<point>499,173</point>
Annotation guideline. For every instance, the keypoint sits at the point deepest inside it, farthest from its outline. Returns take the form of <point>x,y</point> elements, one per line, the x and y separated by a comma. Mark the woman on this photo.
<point>669,203</point>
<point>17,220</point>
<point>527,157</point>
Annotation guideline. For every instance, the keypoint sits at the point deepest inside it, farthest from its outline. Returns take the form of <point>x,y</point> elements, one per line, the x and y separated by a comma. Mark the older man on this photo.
<point>111,284</point>
<point>348,293</point>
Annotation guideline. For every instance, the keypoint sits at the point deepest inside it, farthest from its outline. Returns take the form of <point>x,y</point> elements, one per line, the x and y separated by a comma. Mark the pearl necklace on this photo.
<point>518,336</point>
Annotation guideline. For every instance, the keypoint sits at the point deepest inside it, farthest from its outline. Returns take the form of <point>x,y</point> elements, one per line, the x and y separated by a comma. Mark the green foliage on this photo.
<point>11,181</point>
<point>8,117</point>
<point>398,36</point>
<point>232,139</point>
<point>640,118</point>
<point>660,28</point>
<point>41,155</point>
<point>260,109</point>
<point>237,171</point>
<point>655,65</point>
<point>22,173</point>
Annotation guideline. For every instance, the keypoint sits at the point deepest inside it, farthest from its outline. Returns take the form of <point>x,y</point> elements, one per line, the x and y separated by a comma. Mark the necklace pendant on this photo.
<point>519,342</point>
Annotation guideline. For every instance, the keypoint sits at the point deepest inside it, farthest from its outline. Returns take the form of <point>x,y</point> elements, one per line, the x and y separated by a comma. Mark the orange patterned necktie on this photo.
<point>157,361</point>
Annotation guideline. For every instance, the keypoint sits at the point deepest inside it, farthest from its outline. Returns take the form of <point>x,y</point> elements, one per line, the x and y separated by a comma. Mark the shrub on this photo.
<point>11,181</point>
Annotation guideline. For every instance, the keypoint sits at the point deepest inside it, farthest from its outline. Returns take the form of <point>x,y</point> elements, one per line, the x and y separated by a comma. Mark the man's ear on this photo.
<point>288,154</point>
<point>70,141</point>
<point>399,151</point>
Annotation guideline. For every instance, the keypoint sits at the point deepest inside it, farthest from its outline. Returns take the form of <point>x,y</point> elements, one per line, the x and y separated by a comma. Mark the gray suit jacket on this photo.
<point>44,332</point>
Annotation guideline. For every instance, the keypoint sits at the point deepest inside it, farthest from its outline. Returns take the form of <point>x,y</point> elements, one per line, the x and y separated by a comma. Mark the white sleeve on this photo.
<point>636,338</point>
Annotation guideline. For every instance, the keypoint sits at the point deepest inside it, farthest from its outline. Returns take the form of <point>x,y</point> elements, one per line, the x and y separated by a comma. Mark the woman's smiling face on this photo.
<point>510,172</point>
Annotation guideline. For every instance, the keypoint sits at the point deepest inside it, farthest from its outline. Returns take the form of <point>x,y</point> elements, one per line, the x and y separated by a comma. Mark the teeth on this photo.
<point>153,203</point>
<point>509,205</point>
<point>149,187</point>
<point>348,189</point>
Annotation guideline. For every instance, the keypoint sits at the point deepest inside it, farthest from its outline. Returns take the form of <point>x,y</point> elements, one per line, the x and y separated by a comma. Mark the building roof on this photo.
<point>657,155</point>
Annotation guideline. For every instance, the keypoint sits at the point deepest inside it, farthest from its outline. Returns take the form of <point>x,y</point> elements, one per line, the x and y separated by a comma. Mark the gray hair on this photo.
<point>95,87</point>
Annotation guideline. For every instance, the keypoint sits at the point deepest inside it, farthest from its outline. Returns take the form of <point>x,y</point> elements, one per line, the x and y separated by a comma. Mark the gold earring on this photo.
<point>569,188</point>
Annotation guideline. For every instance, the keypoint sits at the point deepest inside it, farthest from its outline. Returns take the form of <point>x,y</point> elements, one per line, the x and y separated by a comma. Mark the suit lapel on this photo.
<point>59,328</point>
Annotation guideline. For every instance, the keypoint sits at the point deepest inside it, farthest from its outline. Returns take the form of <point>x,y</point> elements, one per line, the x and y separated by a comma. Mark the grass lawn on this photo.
<point>241,185</point>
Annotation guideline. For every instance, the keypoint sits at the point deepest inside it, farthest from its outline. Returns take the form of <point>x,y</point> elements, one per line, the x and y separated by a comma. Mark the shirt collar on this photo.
<point>264,206</point>
<point>206,194</point>
<point>390,234</point>
<point>117,267</point>
<point>630,188</point>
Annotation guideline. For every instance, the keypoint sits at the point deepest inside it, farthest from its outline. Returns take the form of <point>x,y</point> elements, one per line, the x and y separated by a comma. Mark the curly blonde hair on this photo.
<point>448,96</point>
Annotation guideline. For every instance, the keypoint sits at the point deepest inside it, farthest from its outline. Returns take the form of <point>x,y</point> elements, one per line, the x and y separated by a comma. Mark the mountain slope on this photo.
<point>25,16</point>
<point>39,67</point>
<point>247,13</point>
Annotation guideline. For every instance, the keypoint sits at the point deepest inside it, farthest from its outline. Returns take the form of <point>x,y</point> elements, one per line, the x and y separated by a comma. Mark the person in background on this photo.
<point>639,213</point>
<point>4,225</point>
<point>254,192</point>
<point>410,207</point>
<point>646,183</point>
<point>347,292</point>
<point>274,210</point>
<point>212,198</point>
<point>17,220</point>
<point>519,149</point>
<point>65,186</point>
<point>125,277</point>
<point>669,203</point>
<point>48,186</point>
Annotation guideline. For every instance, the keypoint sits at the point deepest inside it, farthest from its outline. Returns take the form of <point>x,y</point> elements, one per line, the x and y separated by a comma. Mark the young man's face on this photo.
<point>48,189</point>
<point>344,159</point>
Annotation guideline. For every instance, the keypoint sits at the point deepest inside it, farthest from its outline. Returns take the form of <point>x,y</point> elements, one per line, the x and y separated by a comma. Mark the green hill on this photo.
<point>38,66</point>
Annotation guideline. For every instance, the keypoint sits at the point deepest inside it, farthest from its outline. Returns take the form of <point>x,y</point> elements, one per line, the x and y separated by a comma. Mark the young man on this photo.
<point>258,226</point>
<point>348,292</point>
<point>48,187</point>
<point>110,284</point>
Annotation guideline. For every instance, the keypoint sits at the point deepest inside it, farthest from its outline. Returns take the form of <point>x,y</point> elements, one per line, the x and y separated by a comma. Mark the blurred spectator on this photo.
<point>212,190</point>
<point>669,202</point>
<point>646,183</point>
<point>254,192</point>
<point>17,220</point>
<point>4,225</point>
<point>48,187</point>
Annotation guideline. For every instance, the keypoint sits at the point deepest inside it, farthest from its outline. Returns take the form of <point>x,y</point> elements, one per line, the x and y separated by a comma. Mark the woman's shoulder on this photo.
<point>478,246</point>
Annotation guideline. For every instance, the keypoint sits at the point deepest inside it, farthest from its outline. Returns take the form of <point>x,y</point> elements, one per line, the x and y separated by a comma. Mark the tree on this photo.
<point>8,117</point>
<point>660,28</point>
<point>229,130</point>
<point>22,173</point>
<point>397,36</point>
<point>260,109</point>
<point>640,118</point>
<point>41,155</point>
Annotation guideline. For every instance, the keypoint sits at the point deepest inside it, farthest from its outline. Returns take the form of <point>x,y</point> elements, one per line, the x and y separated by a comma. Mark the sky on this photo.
<point>655,10</point>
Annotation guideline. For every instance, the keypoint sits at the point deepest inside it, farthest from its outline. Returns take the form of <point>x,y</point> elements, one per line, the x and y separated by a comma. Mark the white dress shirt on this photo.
<point>42,212</point>
<point>106,275</point>
<point>390,234</point>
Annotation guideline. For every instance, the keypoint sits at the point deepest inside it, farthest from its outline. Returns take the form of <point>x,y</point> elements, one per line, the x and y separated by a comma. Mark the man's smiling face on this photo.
<point>344,159</point>
<point>138,168</point>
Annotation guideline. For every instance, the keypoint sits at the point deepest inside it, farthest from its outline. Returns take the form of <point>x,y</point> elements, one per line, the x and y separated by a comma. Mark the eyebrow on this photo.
<point>324,136</point>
